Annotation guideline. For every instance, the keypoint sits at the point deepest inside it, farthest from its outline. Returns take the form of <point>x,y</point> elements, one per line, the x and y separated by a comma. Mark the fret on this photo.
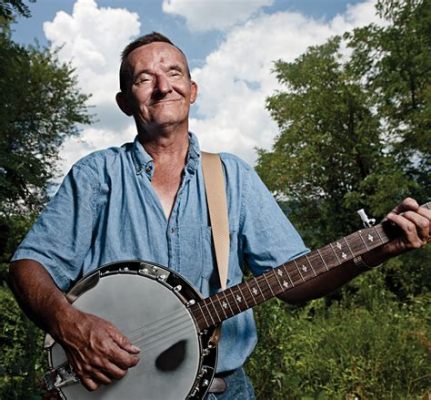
<point>252,295</point>
<point>258,286</point>
<point>196,311</point>
<point>365,243</point>
<point>378,234</point>
<point>269,285</point>
<point>296,265</point>
<point>288,274</point>
<point>227,294</point>
<point>215,309</point>
<point>224,303</point>
<point>279,273</point>
<point>203,314</point>
<point>244,297</point>
<point>324,262</point>
<point>336,255</point>
<point>235,300</point>
<point>339,246</point>
<point>371,238</point>
<point>205,302</point>
<point>254,288</point>
<point>348,246</point>
<point>304,268</point>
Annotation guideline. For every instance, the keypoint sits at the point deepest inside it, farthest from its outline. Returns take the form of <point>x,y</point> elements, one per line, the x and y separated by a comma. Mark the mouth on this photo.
<point>164,101</point>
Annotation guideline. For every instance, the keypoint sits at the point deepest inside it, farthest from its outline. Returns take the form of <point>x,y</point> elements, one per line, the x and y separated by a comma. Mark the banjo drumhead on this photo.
<point>153,317</point>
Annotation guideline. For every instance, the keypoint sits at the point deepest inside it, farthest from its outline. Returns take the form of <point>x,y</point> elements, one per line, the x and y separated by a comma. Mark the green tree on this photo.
<point>394,61</point>
<point>9,9</point>
<point>329,146</point>
<point>40,106</point>
<point>354,132</point>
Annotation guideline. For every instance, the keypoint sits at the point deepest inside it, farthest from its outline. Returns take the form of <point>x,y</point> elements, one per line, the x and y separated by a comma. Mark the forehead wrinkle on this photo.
<point>128,60</point>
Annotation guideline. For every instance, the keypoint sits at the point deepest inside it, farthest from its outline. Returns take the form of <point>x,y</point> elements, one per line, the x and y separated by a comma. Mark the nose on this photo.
<point>163,85</point>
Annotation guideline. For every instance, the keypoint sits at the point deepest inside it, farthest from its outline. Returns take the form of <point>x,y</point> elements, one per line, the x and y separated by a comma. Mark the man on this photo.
<point>146,200</point>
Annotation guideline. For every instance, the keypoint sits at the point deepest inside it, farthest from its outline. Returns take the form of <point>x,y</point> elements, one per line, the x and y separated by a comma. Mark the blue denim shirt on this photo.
<point>106,210</point>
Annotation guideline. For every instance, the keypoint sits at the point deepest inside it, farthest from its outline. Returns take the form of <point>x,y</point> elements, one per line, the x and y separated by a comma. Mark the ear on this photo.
<point>194,92</point>
<point>123,103</point>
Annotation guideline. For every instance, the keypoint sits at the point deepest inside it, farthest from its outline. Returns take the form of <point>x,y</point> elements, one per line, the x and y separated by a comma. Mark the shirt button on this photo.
<point>148,169</point>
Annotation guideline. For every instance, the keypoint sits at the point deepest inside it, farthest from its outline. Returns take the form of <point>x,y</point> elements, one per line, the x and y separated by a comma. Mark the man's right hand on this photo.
<point>96,349</point>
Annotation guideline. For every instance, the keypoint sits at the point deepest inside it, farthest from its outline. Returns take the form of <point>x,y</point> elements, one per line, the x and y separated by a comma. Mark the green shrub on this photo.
<point>21,354</point>
<point>366,346</point>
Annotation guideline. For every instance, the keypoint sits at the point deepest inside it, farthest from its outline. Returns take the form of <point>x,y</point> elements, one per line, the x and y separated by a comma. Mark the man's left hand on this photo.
<point>415,223</point>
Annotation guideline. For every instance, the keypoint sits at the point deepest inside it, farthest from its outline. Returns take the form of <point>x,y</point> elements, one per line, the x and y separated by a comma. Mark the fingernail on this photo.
<point>135,348</point>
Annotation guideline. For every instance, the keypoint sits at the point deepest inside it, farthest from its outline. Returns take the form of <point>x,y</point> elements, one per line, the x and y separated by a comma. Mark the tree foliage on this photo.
<point>354,131</point>
<point>10,8</point>
<point>40,107</point>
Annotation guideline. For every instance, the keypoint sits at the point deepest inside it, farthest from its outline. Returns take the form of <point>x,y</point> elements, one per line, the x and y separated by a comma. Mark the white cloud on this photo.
<point>237,78</point>
<point>206,15</point>
<point>92,39</point>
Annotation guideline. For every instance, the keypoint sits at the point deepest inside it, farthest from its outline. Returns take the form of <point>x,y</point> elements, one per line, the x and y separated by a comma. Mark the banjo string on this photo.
<point>166,336</point>
<point>154,326</point>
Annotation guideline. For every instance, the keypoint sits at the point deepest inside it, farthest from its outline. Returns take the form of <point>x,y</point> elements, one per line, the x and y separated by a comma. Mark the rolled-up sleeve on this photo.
<point>61,237</point>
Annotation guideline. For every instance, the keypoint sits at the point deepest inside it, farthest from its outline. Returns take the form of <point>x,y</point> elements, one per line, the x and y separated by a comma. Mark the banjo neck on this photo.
<point>236,299</point>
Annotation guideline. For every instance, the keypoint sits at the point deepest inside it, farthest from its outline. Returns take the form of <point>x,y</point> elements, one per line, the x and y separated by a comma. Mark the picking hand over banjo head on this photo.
<point>151,305</point>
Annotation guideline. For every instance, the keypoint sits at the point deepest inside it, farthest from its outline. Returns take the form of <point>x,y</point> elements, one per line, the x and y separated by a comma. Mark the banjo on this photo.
<point>172,324</point>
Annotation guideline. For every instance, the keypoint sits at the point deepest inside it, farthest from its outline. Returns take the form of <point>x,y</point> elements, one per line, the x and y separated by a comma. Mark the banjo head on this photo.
<point>149,304</point>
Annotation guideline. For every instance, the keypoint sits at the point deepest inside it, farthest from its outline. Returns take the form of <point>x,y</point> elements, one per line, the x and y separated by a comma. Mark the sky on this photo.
<point>231,46</point>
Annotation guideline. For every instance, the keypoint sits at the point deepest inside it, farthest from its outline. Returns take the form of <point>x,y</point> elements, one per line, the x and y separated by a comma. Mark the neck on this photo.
<point>165,145</point>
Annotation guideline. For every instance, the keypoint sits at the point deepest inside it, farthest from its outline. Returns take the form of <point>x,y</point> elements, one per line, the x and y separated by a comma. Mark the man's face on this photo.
<point>159,89</point>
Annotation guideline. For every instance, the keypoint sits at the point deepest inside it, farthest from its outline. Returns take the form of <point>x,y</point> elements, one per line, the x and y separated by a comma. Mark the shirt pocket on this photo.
<point>197,262</point>
<point>210,270</point>
<point>191,263</point>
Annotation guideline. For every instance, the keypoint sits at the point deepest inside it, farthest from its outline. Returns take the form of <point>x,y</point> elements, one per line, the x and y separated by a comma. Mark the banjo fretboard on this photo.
<point>223,305</point>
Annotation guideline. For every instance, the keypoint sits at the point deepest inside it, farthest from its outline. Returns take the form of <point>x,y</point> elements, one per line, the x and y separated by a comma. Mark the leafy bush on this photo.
<point>367,346</point>
<point>21,355</point>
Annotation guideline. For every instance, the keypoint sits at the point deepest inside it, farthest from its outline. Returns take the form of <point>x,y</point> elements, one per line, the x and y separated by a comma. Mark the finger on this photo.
<point>425,212</point>
<point>109,369</point>
<point>89,383</point>
<point>422,220</point>
<point>412,238</point>
<point>407,204</point>
<point>124,343</point>
<point>101,377</point>
<point>114,371</point>
<point>122,358</point>
<point>421,223</point>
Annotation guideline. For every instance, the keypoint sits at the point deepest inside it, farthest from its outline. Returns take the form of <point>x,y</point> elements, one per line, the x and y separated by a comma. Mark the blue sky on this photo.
<point>230,44</point>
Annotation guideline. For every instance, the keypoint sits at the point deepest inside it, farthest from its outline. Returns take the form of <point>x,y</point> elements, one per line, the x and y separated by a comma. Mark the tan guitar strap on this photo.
<point>217,207</point>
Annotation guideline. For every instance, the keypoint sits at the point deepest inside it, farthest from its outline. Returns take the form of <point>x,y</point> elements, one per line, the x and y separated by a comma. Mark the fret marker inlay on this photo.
<point>224,304</point>
<point>239,298</point>
<point>280,272</point>
<point>304,268</point>
<point>285,284</point>
<point>344,255</point>
<point>370,237</point>
<point>338,245</point>
<point>255,291</point>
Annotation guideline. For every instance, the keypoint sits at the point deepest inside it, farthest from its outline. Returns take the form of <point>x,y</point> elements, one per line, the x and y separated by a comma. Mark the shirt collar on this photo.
<point>144,162</point>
